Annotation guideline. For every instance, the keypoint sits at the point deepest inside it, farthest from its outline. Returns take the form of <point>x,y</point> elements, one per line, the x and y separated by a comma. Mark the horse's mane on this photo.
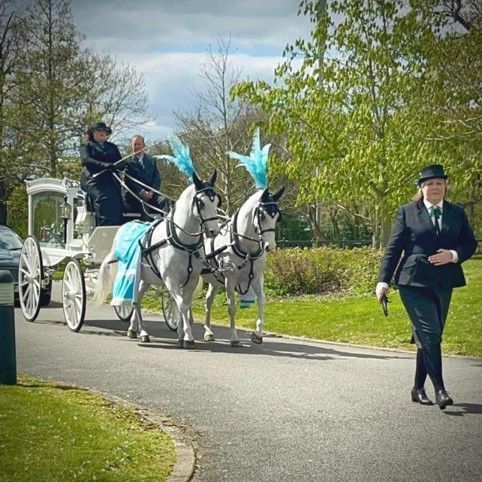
<point>248,205</point>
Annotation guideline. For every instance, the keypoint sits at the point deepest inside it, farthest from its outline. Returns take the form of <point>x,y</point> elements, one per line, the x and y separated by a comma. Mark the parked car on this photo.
<point>10,248</point>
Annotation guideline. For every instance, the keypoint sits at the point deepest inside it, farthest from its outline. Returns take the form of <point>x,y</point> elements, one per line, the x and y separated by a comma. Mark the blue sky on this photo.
<point>167,41</point>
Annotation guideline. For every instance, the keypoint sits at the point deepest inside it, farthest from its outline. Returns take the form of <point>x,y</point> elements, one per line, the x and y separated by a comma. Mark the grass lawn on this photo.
<point>54,433</point>
<point>360,320</point>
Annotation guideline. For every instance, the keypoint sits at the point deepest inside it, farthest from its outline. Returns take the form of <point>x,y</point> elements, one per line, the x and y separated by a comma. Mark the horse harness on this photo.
<point>173,238</point>
<point>236,247</point>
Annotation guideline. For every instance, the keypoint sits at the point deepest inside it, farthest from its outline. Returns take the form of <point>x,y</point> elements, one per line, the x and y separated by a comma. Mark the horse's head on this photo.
<point>266,215</point>
<point>205,204</point>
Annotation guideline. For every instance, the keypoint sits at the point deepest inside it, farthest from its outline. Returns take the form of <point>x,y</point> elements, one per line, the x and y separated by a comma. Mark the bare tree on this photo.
<point>220,124</point>
<point>112,92</point>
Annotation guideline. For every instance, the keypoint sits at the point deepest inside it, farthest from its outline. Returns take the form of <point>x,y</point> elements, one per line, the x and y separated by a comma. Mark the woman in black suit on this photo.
<point>98,158</point>
<point>435,237</point>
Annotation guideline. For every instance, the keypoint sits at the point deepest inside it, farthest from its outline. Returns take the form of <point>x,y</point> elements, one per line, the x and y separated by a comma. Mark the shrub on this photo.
<point>295,271</point>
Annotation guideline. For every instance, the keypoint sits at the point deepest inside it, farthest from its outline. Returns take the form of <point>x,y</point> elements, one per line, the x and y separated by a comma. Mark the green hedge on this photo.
<point>296,271</point>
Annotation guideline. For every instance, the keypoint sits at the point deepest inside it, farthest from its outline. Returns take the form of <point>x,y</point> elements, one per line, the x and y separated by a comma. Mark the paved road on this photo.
<point>282,411</point>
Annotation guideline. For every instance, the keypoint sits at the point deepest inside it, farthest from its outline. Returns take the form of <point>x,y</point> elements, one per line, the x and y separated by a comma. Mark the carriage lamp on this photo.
<point>65,213</point>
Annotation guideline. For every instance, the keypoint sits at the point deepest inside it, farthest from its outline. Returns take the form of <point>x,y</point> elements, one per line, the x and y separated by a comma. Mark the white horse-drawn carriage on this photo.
<point>62,232</point>
<point>189,242</point>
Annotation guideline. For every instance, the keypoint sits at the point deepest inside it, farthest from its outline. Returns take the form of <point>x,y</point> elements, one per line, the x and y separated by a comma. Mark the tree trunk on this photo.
<point>3,212</point>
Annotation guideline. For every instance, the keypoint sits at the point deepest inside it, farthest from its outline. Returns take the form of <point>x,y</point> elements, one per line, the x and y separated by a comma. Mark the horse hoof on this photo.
<point>145,339</point>
<point>132,333</point>
<point>180,344</point>
<point>235,343</point>
<point>256,339</point>
<point>189,344</point>
<point>209,337</point>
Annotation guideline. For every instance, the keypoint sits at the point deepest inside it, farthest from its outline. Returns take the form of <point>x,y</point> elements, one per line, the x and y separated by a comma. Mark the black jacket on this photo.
<point>146,173</point>
<point>95,157</point>
<point>413,234</point>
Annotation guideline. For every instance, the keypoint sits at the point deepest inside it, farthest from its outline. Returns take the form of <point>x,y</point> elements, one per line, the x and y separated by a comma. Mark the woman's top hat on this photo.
<point>431,172</point>
<point>100,126</point>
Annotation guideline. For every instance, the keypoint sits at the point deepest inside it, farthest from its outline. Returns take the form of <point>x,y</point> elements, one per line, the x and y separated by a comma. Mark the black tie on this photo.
<point>436,213</point>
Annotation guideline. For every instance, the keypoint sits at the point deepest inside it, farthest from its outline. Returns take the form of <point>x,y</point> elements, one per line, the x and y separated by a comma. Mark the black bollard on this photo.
<point>8,359</point>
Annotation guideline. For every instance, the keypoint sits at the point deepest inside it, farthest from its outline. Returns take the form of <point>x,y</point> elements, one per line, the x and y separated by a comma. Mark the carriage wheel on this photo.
<point>124,312</point>
<point>170,311</point>
<point>73,295</point>
<point>30,276</point>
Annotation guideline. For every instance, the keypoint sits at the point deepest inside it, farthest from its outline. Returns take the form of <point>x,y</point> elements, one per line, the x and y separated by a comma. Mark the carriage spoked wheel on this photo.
<point>73,295</point>
<point>124,312</point>
<point>30,276</point>
<point>170,311</point>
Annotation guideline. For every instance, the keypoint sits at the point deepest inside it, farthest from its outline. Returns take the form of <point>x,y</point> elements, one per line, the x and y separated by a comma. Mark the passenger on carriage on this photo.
<point>142,167</point>
<point>98,156</point>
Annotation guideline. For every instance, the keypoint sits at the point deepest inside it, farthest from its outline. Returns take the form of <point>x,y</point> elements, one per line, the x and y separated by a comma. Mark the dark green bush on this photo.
<point>295,271</point>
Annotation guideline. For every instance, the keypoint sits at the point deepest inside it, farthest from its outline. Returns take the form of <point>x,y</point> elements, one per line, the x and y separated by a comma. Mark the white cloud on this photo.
<point>167,41</point>
<point>155,24</point>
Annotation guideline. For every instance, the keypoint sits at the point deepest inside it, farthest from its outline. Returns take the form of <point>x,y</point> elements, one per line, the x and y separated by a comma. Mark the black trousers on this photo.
<point>427,309</point>
<point>107,202</point>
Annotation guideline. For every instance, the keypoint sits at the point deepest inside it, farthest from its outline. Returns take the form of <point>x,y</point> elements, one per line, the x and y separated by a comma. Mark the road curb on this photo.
<point>272,334</point>
<point>185,463</point>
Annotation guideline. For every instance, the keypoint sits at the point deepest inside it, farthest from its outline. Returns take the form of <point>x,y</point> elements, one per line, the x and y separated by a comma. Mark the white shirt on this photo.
<point>428,205</point>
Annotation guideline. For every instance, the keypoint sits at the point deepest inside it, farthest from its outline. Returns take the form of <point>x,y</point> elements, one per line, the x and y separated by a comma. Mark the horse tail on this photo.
<point>105,279</point>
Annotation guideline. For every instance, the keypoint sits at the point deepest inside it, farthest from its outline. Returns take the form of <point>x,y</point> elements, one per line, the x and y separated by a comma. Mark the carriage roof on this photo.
<point>50,184</point>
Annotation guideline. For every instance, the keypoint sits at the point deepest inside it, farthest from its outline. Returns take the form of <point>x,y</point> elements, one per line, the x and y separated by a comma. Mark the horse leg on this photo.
<point>132,330</point>
<point>230,286</point>
<point>257,284</point>
<point>136,318</point>
<point>210,295</point>
<point>184,330</point>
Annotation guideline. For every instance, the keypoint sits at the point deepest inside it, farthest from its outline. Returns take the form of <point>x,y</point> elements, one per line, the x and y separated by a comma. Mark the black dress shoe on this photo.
<point>419,396</point>
<point>443,399</point>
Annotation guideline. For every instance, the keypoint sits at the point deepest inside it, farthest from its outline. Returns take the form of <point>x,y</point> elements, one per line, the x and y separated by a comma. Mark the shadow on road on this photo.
<point>271,346</point>
<point>163,338</point>
<point>467,408</point>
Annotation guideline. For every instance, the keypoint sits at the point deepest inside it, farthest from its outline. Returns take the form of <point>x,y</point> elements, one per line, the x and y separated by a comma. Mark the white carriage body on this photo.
<point>83,240</point>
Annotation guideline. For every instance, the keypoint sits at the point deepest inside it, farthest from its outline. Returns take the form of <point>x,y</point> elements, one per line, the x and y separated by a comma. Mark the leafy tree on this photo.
<point>9,49</point>
<point>48,83</point>
<point>450,99</point>
<point>353,113</point>
<point>55,90</point>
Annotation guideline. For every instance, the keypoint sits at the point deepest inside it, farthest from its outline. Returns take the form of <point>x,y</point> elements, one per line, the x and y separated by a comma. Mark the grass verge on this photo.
<point>359,320</point>
<point>56,432</point>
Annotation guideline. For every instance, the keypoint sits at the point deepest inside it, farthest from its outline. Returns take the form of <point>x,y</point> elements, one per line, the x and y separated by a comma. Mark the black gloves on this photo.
<point>110,166</point>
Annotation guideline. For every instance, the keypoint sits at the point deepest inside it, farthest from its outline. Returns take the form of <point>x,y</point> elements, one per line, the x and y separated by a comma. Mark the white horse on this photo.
<point>173,256</point>
<point>238,256</point>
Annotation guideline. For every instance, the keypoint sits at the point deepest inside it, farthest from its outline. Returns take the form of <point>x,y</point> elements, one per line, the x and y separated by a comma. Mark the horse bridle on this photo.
<point>212,195</point>
<point>260,210</point>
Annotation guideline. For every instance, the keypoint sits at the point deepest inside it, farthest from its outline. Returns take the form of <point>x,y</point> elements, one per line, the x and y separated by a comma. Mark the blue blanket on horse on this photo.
<point>128,253</point>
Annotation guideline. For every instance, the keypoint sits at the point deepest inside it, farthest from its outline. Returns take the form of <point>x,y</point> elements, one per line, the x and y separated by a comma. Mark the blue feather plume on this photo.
<point>181,157</point>
<point>256,163</point>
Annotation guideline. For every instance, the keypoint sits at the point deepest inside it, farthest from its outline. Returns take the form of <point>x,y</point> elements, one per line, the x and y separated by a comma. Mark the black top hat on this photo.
<point>431,172</point>
<point>101,126</point>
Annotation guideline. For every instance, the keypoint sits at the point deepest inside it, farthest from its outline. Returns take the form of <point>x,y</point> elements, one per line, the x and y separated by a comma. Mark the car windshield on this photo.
<point>9,239</point>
